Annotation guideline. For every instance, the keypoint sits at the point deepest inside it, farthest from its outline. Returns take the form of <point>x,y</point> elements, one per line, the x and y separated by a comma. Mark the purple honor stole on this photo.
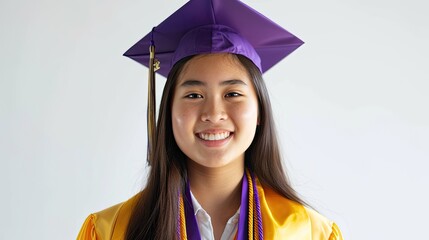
<point>250,220</point>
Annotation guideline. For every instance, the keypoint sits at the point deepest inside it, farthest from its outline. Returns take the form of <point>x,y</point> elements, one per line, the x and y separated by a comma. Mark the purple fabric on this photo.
<point>215,39</point>
<point>192,230</point>
<point>244,209</point>
<point>270,41</point>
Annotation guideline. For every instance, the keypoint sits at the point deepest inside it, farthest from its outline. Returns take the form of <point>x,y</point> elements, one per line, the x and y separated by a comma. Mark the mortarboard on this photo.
<point>210,26</point>
<point>270,41</point>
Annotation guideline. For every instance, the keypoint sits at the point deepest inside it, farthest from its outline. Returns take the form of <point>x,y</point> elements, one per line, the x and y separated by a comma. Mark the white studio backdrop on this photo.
<point>351,107</point>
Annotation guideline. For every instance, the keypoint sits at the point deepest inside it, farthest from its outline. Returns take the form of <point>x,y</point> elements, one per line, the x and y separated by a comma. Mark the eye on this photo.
<point>194,95</point>
<point>233,94</point>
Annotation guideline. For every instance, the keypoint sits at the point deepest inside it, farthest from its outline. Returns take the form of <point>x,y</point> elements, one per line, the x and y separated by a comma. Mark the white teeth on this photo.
<point>214,137</point>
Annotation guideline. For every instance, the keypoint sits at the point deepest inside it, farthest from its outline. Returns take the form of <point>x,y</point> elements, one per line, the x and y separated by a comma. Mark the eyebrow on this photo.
<point>189,83</point>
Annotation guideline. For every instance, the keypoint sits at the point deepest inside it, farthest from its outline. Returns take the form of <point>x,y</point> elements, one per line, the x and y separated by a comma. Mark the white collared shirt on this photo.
<point>205,223</point>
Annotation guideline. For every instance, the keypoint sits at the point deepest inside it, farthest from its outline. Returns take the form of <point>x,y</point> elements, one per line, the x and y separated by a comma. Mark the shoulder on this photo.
<point>287,219</point>
<point>110,223</point>
<point>321,227</point>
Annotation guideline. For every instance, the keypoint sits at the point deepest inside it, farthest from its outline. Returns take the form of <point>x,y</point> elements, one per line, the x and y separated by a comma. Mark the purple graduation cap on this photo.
<point>209,26</point>
<point>213,26</point>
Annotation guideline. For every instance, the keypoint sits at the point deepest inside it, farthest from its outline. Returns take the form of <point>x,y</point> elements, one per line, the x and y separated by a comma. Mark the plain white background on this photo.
<point>351,107</point>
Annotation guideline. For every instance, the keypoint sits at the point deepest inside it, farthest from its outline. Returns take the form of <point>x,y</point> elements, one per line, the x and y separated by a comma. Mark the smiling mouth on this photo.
<point>214,136</point>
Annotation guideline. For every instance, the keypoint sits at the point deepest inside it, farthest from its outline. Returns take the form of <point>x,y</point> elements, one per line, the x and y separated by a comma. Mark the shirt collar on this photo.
<point>197,206</point>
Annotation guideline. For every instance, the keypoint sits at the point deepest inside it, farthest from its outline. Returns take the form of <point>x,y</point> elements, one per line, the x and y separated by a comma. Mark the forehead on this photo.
<point>218,66</point>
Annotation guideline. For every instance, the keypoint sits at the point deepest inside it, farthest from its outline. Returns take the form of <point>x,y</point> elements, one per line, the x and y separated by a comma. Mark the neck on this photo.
<point>218,190</point>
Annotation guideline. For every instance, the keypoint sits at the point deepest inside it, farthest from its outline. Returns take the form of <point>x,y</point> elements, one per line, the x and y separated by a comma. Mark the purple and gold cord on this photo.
<point>250,206</point>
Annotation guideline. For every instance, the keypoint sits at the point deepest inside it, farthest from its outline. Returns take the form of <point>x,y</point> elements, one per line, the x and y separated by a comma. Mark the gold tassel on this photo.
<point>151,105</point>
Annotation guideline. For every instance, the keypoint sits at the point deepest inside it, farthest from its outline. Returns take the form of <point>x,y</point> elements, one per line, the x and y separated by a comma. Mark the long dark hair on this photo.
<point>156,211</point>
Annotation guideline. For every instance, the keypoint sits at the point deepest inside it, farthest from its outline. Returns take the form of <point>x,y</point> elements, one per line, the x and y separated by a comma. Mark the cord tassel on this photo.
<point>151,103</point>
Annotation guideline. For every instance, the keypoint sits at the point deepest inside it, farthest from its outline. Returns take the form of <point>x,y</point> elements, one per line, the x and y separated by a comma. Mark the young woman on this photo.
<point>216,170</point>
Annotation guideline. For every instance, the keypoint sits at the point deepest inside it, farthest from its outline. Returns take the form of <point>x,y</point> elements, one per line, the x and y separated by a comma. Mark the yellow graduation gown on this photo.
<point>281,219</point>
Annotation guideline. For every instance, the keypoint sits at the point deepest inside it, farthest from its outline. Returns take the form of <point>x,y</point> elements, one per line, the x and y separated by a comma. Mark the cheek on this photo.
<point>247,112</point>
<point>176,118</point>
<point>180,116</point>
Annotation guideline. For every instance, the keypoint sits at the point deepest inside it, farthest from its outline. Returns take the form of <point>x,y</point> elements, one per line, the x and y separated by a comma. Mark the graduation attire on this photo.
<point>205,27</point>
<point>281,219</point>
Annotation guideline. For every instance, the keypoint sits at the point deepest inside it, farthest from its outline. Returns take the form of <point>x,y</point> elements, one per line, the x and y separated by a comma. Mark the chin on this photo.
<point>217,163</point>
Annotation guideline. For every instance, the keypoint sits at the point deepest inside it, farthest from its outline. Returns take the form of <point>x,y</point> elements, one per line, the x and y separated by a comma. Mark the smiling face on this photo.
<point>214,110</point>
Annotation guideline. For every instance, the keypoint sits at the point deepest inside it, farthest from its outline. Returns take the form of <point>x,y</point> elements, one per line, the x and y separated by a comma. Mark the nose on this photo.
<point>213,111</point>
